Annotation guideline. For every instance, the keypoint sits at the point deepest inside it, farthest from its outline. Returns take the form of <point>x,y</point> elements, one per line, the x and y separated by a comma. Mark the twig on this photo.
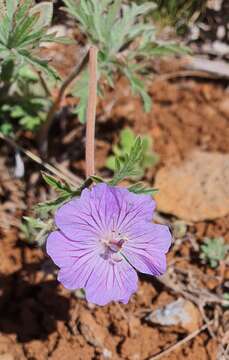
<point>44,85</point>
<point>179,343</point>
<point>43,134</point>
<point>218,67</point>
<point>192,293</point>
<point>73,180</point>
<point>183,73</point>
<point>91,112</point>
<point>207,321</point>
<point>61,168</point>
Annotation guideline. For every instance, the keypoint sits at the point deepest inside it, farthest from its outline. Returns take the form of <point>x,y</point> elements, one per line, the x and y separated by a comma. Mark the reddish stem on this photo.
<point>91,112</point>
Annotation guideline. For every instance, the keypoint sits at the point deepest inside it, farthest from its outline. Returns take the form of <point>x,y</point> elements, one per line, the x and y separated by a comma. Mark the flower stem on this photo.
<point>91,112</point>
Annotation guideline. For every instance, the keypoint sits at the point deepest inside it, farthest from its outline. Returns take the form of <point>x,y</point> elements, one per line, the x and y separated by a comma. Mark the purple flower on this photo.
<point>103,238</point>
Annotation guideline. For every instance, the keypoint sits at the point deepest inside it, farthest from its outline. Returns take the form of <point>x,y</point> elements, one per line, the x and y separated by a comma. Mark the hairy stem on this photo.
<point>91,112</point>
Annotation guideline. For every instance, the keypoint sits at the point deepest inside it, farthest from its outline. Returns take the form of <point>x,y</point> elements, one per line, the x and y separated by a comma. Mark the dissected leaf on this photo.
<point>50,206</point>
<point>128,166</point>
<point>35,223</point>
<point>44,10</point>
<point>139,188</point>
<point>127,141</point>
<point>57,185</point>
<point>23,9</point>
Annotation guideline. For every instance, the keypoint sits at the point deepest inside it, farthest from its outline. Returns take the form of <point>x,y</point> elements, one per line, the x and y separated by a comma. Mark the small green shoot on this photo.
<point>179,229</point>
<point>213,251</point>
<point>127,139</point>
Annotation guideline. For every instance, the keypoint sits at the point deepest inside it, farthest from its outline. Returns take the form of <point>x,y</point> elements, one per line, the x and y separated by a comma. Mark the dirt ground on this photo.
<point>41,320</point>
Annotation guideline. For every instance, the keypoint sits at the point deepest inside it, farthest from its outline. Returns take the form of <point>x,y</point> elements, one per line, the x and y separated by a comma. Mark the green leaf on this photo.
<point>53,205</point>
<point>127,139</point>
<point>81,91</point>
<point>32,39</point>
<point>6,128</point>
<point>44,10</point>
<point>11,6</point>
<point>5,29</point>
<point>17,111</point>
<point>110,163</point>
<point>28,74</point>
<point>164,49</point>
<point>112,16</point>
<point>121,151</point>
<point>22,30</point>
<point>97,179</point>
<point>139,188</point>
<point>30,122</point>
<point>214,250</point>
<point>59,39</point>
<point>42,65</point>
<point>35,223</point>
<point>57,185</point>
<point>138,87</point>
<point>7,69</point>
<point>129,166</point>
<point>150,160</point>
<point>22,10</point>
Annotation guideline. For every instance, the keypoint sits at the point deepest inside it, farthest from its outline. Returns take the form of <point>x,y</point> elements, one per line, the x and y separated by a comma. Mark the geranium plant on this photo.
<point>103,233</point>
<point>99,234</point>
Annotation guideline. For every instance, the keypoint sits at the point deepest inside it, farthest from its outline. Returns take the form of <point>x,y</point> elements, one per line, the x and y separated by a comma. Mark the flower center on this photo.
<point>112,244</point>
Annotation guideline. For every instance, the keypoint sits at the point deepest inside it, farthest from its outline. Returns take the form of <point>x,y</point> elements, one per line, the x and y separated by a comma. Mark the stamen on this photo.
<point>112,245</point>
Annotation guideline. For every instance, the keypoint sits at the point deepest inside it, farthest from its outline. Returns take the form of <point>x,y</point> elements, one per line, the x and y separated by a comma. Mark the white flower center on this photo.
<point>112,244</point>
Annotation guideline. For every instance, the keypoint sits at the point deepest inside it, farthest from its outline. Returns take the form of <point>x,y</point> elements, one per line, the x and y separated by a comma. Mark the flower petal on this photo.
<point>103,208</point>
<point>103,205</point>
<point>147,262</point>
<point>147,246</point>
<point>72,219</point>
<point>111,281</point>
<point>143,234</point>
<point>117,207</point>
<point>60,249</point>
<point>76,276</point>
<point>93,211</point>
<point>132,207</point>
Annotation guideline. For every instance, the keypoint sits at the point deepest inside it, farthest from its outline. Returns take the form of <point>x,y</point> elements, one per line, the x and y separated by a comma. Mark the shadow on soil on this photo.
<point>30,311</point>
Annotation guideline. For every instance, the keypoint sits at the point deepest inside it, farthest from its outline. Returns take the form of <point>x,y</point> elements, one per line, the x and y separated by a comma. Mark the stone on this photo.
<point>6,357</point>
<point>93,333</point>
<point>180,312</point>
<point>197,189</point>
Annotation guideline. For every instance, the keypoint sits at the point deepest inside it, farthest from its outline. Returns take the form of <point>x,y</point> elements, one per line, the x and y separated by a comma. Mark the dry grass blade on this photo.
<point>73,180</point>
<point>179,343</point>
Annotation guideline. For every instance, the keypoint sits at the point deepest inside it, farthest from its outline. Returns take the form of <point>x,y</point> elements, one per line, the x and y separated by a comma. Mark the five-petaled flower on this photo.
<point>104,237</point>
